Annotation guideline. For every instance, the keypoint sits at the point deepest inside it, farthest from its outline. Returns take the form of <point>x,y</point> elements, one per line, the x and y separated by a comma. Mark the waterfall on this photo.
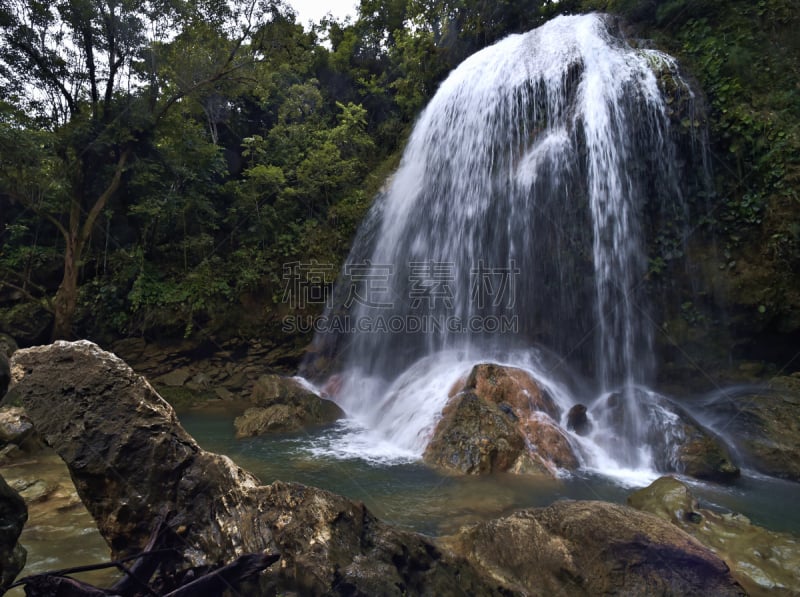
<point>514,231</point>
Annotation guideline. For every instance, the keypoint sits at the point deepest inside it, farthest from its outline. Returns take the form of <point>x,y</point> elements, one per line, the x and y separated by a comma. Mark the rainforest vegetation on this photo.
<point>162,162</point>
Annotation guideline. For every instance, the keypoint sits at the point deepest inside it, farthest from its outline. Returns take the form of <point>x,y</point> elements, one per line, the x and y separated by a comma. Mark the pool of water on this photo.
<point>411,495</point>
<point>60,533</point>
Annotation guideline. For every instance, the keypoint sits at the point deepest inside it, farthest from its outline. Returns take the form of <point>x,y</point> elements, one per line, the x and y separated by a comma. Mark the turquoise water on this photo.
<point>413,496</point>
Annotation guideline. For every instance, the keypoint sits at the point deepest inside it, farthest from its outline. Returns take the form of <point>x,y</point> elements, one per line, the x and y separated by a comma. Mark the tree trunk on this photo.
<point>76,235</point>
<point>66,299</point>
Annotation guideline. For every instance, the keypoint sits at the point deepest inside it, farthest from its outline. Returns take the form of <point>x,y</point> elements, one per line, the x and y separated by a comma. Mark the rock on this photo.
<point>703,456</point>
<point>577,420</point>
<point>174,378</point>
<point>766,426</point>
<point>474,437</point>
<point>763,561</point>
<point>284,405</point>
<point>35,491</point>
<point>574,548</point>
<point>499,384</point>
<point>13,515</point>
<point>679,443</point>
<point>224,394</point>
<point>548,443</point>
<point>131,460</point>
<point>499,419</point>
<point>16,428</point>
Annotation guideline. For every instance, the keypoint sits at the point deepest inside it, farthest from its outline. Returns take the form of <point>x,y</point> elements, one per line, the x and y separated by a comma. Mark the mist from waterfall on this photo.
<point>514,232</point>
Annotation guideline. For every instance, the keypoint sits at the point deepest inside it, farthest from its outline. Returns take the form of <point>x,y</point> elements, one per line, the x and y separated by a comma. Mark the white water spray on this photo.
<point>520,200</point>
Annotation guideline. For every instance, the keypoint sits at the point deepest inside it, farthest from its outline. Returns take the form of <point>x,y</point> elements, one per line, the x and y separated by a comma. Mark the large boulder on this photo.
<point>132,462</point>
<point>284,405</point>
<point>678,441</point>
<point>499,384</point>
<point>13,515</point>
<point>766,426</point>
<point>474,437</point>
<point>764,562</point>
<point>575,548</point>
<point>499,419</point>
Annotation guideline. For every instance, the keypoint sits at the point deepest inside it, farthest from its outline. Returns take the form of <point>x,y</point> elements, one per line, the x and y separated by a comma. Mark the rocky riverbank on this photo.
<point>132,461</point>
<point>191,372</point>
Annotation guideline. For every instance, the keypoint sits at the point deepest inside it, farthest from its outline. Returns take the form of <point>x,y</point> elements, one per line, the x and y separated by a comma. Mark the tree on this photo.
<point>98,78</point>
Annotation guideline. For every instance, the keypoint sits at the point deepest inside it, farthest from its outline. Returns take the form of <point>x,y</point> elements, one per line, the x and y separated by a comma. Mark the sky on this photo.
<point>314,10</point>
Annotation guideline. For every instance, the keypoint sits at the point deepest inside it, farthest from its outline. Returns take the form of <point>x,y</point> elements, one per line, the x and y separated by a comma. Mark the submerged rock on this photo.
<point>574,548</point>
<point>764,562</point>
<point>132,461</point>
<point>13,515</point>
<point>500,419</point>
<point>284,405</point>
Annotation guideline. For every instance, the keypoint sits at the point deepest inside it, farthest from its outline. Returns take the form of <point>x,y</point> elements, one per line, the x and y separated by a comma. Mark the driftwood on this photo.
<point>201,581</point>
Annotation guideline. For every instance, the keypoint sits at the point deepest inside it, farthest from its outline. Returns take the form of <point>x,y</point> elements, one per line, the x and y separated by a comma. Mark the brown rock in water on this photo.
<point>474,437</point>
<point>498,384</point>
<point>500,419</point>
<point>284,405</point>
<point>549,443</point>
<point>577,420</point>
<point>576,548</point>
<point>13,515</point>
<point>131,461</point>
<point>764,562</point>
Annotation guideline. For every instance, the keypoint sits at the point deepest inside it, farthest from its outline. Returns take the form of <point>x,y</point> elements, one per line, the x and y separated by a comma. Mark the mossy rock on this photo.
<point>764,562</point>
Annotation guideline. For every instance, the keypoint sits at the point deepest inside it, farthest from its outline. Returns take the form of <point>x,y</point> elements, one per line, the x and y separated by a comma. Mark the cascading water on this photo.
<point>514,220</point>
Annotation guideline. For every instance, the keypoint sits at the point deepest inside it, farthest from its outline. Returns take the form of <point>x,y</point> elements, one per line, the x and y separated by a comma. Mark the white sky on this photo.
<point>314,10</point>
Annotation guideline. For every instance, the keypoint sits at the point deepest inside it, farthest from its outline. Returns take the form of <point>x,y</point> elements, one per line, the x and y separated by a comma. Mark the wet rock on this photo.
<point>474,437</point>
<point>131,461</point>
<point>679,443</point>
<point>577,420</point>
<point>548,443</point>
<point>284,405</point>
<point>574,548</point>
<point>702,455</point>
<point>499,419</point>
<point>498,384</point>
<point>766,426</point>
<point>13,515</point>
<point>764,562</point>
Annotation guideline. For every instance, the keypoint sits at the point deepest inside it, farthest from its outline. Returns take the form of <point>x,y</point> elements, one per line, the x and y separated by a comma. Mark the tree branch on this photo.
<point>101,202</point>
